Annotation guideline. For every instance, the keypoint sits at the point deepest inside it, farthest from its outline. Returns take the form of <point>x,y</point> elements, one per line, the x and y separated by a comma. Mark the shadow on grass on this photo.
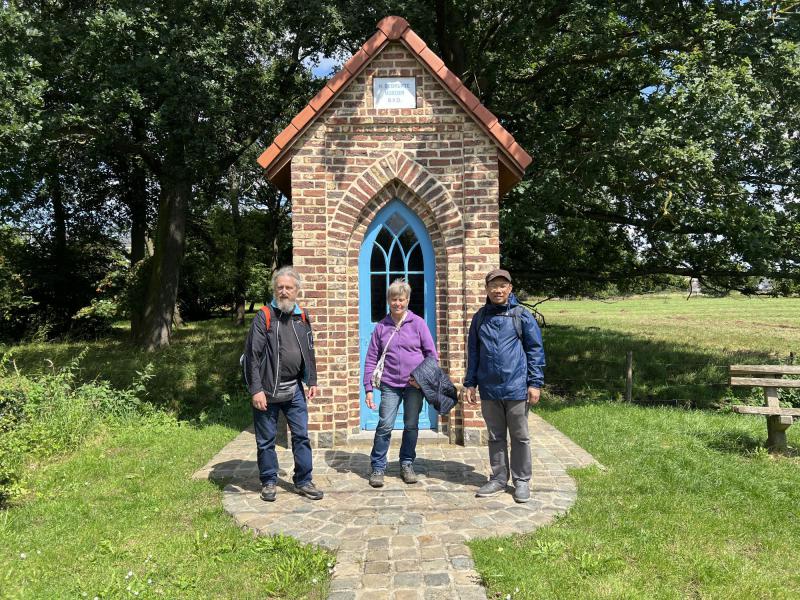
<point>588,364</point>
<point>732,441</point>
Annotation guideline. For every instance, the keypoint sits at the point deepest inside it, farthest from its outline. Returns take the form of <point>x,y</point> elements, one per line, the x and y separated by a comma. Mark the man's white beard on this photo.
<point>286,306</point>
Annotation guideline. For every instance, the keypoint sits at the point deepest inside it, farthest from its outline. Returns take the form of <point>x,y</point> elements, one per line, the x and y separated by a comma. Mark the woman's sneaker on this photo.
<point>268,491</point>
<point>407,473</point>
<point>376,478</point>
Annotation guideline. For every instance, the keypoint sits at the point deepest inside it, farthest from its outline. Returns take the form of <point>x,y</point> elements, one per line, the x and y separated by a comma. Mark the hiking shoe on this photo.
<point>268,491</point>
<point>309,490</point>
<point>407,473</point>
<point>376,478</point>
<point>522,491</point>
<point>489,489</point>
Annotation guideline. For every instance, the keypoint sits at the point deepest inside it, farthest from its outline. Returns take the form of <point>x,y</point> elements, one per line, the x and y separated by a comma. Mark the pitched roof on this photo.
<point>513,159</point>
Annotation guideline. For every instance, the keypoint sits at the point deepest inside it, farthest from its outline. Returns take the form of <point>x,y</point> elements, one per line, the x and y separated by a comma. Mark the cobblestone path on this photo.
<point>400,541</point>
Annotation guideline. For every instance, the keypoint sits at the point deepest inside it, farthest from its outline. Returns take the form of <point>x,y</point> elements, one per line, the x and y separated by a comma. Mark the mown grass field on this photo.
<point>690,505</point>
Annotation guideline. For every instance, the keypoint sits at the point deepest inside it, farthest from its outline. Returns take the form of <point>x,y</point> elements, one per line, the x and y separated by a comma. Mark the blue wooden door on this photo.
<point>396,245</point>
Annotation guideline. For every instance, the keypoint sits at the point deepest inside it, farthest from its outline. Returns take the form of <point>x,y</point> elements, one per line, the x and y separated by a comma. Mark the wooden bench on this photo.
<point>769,377</point>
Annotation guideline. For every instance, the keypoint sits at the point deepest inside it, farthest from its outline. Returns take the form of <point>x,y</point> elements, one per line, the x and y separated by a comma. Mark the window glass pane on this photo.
<point>397,262</point>
<point>415,261</point>
<point>384,239</point>
<point>417,302</point>
<point>395,223</point>
<point>377,263</point>
<point>408,239</point>
<point>378,293</point>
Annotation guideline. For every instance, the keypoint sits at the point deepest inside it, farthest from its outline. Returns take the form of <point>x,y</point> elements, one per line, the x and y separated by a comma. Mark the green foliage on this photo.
<point>48,415</point>
<point>16,306</point>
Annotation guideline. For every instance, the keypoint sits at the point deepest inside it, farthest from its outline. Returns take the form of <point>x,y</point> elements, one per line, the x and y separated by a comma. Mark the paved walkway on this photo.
<point>400,541</point>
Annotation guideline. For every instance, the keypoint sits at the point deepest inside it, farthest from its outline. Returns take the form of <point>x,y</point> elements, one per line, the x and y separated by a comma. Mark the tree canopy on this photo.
<point>665,137</point>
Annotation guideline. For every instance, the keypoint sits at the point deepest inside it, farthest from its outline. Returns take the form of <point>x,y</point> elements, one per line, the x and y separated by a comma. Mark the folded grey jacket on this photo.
<point>436,386</point>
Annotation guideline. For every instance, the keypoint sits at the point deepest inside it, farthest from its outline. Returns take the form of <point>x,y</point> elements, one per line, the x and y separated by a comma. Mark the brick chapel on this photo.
<point>395,169</point>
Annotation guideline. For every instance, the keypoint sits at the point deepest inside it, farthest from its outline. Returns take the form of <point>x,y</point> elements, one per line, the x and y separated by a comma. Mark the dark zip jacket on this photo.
<point>261,359</point>
<point>501,364</point>
<point>436,386</point>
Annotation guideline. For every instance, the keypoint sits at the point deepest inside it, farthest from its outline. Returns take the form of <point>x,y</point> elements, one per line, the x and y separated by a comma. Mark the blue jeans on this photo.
<point>266,424</point>
<point>391,397</point>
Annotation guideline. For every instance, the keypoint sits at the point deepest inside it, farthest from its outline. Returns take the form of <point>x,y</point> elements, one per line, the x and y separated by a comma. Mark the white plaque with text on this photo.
<point>394,92</point>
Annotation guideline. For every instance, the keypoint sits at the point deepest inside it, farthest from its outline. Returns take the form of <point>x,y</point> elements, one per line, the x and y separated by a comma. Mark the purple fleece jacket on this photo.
<point>412,344</point>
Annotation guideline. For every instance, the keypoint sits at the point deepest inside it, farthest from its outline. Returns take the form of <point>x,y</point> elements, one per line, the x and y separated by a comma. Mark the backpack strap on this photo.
<point>268,314</point>
<point>516,314</point>
<point>304,316</point>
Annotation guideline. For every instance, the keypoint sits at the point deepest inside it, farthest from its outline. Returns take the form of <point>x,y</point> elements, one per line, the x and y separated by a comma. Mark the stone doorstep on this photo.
<point>427,437</point>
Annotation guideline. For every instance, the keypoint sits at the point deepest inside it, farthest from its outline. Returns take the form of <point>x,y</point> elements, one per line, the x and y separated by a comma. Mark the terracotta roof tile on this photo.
<point>469,99</point>
<point>269,155</point>
<point>321,99</point>
<point>338,80</point>
<point>303,117</point>
<point>523,158</point>
<point>515,160</point>
<point>484,116</point>
<point>449,78</point>
<point>286,136</point>
<point>393,26</point>
<point>358,60</point>
<point>415,43</point>
<point>375,43</point>
<point>429,58</point>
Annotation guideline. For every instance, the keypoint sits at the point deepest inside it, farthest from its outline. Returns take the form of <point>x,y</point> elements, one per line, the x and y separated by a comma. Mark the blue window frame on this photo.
<point>396,245</point>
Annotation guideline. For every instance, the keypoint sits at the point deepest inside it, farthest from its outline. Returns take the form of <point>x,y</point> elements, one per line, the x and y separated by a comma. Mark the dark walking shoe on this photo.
<point>407,472</point>
<point>522,491</point>
<point>309,490</point>
<point>376,478</point>
<point>268,491</point>
<point>492,488</point>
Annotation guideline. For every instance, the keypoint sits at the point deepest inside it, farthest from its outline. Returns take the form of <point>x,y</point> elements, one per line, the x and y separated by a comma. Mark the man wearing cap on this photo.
<point>505,359</point>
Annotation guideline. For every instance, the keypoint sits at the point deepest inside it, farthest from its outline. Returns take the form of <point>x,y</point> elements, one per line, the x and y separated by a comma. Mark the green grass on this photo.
<point>188,377</point>
<point>681,348</point>
<point>124,501</point>
<point>690,505</point>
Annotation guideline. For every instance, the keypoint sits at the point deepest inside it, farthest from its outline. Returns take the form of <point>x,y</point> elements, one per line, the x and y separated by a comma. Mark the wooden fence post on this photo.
<point>629,377</point>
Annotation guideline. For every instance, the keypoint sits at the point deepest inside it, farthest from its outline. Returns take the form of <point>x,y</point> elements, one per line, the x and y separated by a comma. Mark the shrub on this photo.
<point>47,415</point>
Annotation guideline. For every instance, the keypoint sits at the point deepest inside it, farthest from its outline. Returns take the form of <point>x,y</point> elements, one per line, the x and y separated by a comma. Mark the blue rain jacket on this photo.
<point>502,365</point>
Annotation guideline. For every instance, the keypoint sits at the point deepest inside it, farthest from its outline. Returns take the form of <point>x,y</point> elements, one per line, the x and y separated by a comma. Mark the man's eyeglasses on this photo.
<point>498,285</point>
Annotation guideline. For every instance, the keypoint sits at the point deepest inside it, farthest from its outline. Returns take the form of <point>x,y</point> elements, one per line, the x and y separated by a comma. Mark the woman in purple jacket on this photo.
<point>406,341</point>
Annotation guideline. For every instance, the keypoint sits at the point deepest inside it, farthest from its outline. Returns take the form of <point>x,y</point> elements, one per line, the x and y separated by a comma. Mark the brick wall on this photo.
<point>351,162</point>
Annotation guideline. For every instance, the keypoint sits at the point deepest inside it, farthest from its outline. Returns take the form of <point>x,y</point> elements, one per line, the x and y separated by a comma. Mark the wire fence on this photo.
<point>643,379</point>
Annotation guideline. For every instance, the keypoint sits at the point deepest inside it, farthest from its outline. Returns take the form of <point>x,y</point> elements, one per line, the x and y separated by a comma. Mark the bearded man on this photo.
<point>278,358</point>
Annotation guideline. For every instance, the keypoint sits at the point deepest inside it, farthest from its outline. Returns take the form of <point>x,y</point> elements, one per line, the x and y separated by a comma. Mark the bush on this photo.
<point>49,414</point>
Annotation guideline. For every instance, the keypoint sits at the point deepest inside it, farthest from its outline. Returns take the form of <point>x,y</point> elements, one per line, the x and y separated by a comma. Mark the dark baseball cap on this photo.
<point>498,273</point>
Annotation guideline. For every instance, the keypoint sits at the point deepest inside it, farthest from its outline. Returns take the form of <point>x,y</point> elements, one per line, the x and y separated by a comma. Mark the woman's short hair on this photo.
<point>399,287</point>
<point>287,272</point>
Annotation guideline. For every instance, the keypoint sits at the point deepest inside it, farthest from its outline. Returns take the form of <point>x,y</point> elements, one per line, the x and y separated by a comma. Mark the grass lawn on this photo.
<point>690,504</point>
<point>681,348</point>
<point>121,518</point>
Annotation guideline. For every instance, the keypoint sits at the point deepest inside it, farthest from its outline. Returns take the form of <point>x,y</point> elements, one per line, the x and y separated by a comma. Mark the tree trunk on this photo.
<point>136,199</point>
<point>239,274</point>
<point>162,289</point>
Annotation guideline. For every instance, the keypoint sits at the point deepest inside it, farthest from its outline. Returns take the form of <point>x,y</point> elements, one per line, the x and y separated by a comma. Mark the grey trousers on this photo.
<point>511,416</point>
